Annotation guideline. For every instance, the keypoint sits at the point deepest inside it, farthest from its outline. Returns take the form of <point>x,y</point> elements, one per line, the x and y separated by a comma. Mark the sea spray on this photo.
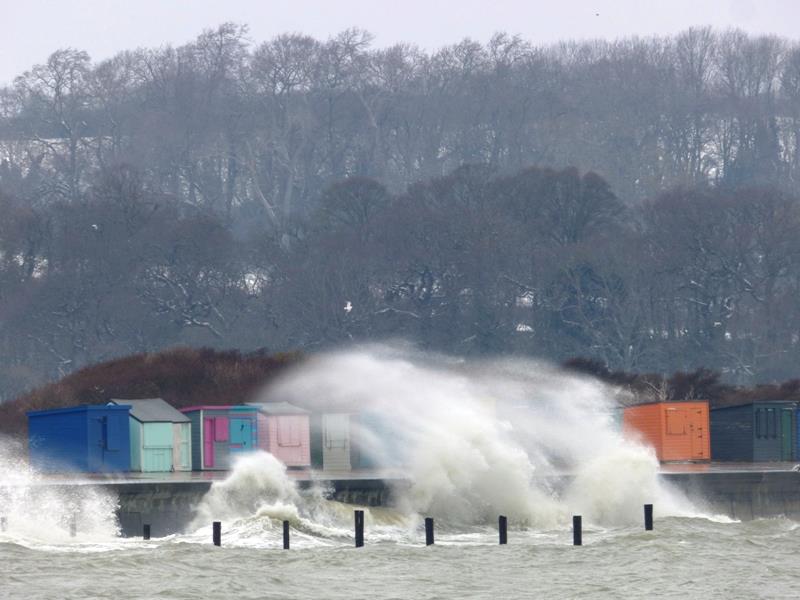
<point>482,438</point>
<point>612,488</point>
<point>39,510</point>
<point>258,495</point>
<point>257,479</point>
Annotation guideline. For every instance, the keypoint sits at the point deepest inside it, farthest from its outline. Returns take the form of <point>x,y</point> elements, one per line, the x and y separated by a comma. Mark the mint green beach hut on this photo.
<point>160,436</point>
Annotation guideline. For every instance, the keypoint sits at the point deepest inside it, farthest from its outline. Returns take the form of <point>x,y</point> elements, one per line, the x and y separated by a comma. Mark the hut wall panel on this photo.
<point>797,434</point>
<point>157,460</point>
<point>686,431</point>
<point>109,439</point>
<point>766,442</point>
<point>316,442</point>
<point>263,433</point>
<point>58,443</point>
<point>197,440</point>
<point>772,441</point>
<point>222,461</point>
<point>643,423</point>
<point>336,442</point>
<point>157,435</point>
<point>136,444</point>
<point>157,447</point>
<point>732,433</point>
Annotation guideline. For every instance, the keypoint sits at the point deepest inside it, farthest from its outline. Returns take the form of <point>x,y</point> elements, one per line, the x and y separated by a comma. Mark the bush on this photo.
<point>181,376</point>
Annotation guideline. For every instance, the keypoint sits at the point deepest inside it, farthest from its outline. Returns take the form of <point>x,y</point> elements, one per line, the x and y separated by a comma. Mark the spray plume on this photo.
<point>481,438</point>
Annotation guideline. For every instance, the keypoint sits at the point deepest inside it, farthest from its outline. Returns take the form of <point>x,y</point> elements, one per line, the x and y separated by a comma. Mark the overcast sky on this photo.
<point>32,29</point>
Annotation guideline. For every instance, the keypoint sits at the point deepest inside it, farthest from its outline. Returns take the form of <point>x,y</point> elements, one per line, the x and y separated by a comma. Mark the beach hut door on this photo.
<point>698,436</point>
<point>241,435</point>
<point>208,441</point>
<point>184,446</point>
<point>336,442</point>
<point>786,434</point>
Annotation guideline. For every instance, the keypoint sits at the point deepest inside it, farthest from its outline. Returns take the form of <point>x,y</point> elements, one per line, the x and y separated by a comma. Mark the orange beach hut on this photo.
<point>679,431</point>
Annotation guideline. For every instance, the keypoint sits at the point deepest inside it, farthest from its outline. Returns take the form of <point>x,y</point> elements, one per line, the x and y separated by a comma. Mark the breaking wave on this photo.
<point>36,514</point>
<point>472,439</point>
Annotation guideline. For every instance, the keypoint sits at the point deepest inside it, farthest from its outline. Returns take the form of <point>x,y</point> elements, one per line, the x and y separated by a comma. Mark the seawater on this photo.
<point>682,558</point>
<point>478,440</point>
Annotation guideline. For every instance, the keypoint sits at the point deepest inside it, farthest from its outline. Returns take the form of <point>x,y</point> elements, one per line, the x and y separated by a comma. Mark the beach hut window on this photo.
<point>771,423</point>
<point>221,430</point>
<point>288,432</point>
<point>676,422</point>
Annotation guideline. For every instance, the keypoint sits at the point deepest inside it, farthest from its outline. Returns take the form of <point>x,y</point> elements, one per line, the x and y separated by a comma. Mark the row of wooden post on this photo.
<point>577,529</point>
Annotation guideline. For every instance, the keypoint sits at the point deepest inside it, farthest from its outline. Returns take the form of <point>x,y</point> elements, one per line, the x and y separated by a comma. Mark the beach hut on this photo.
<point>160,436</point>
<point>219,433</point>
<point>284,432</point>
<point>755,432</point>
<point>89,439</point>
<point>330,441</point>
<point>797,432</point>
<point>678,431</point>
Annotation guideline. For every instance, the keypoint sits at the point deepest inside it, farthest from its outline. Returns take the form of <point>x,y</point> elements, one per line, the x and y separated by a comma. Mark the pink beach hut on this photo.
<point>219,433</point>
<point>284,432</point>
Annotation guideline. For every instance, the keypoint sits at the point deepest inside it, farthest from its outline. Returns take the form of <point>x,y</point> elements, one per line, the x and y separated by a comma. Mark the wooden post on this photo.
<point>216,535</point>
<point>503,527</point>
<point>286,535</point>
<point>577,531</point>
<point>428,531</point>
<point>146,531</point>
<point>359,522</point>
<point>648,517</point>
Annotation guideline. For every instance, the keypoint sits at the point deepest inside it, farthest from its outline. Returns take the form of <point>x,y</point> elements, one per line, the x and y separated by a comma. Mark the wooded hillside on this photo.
<point>634,201</point>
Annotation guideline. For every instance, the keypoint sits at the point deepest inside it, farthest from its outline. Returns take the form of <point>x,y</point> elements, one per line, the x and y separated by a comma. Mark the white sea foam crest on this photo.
<point>258,496</point>
<point>257,479</point>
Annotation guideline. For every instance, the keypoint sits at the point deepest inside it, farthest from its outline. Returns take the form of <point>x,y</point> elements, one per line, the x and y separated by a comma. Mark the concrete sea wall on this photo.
<point>169,506</point>
<point>743,495</point>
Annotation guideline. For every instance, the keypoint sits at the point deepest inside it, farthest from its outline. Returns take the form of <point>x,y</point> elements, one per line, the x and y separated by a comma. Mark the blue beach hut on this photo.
<point>759,431</point>
<point>89,439</point>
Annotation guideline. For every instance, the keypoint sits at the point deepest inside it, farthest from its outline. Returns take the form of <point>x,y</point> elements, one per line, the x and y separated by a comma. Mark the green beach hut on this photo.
<point>160,436</point>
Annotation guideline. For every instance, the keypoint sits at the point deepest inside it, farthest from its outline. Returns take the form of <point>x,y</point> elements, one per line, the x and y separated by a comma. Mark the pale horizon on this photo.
<point>106,27</point>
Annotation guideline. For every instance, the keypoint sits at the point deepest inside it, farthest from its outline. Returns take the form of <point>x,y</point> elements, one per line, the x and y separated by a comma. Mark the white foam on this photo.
<point>255,499</point>
<point>39,514</point>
